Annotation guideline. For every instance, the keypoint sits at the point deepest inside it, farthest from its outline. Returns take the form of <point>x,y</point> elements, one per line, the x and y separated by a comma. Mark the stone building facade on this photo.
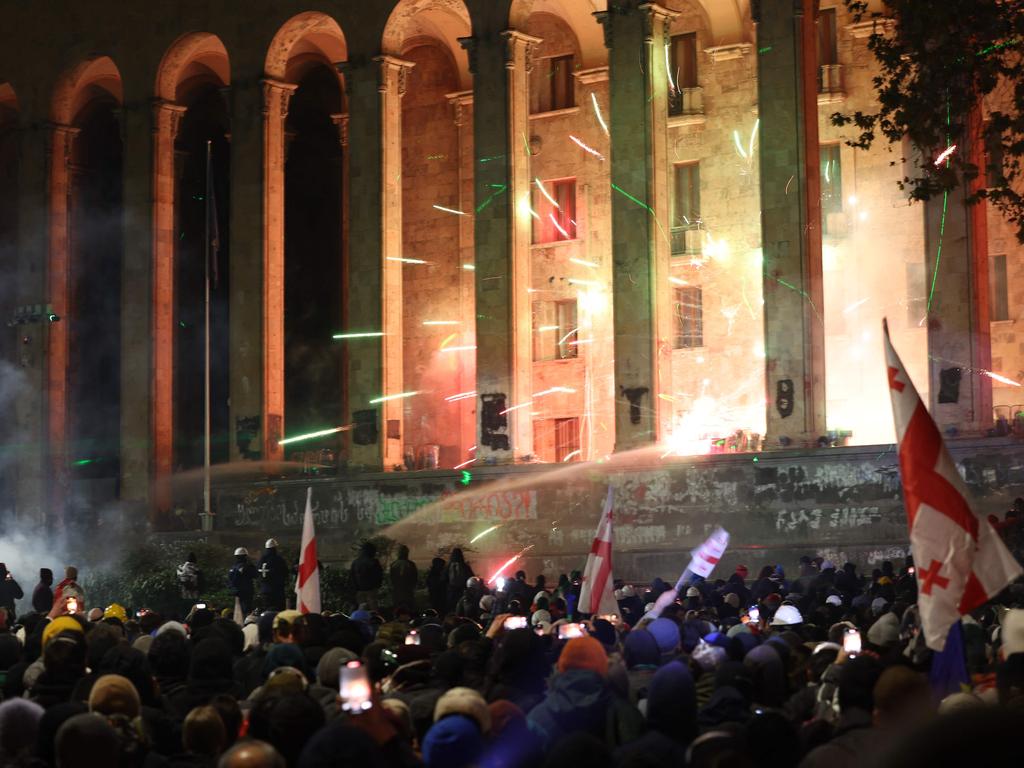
<point>457,232</point>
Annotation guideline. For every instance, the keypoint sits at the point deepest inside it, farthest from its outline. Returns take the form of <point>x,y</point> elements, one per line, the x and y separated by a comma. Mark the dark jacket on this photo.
<point>855,743</point>
<point>42,598</point>
<point>580,701</point>
<point>240,579</point>
<point>367,573</point>
<point>404,575</point>
<point>9,592</point>
<point>273,572</point>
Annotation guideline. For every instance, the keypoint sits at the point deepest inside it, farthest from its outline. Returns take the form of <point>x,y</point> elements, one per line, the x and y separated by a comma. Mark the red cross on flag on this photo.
<point>307,583</point>
<point>597,596</point>
<point>961,561</point>
<point>707,555</point>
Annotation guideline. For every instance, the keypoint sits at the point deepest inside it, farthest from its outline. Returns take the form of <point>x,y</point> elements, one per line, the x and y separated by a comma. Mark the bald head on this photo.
<point>251,754</point>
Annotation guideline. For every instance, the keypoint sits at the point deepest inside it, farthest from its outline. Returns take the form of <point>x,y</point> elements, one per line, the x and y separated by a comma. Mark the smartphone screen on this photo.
<point>851,642</point>
<point>413,638</point>
<point>754,613</point>
<point>200,606</point>
<point>570,631</point>
<point>515,622</point>
<point>72,605</point>
<point>354,688</point>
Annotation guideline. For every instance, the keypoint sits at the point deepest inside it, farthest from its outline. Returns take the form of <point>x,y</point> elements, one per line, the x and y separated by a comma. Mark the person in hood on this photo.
<point>456,575</point>
<point>436,585</point>
<point>240,579</point>
<point>9,590</point>
<point>671,717</point>
<point>580,700</point>
<point>42,595</point>
<point>273,572</point>
<point>367,575</point>
<point>403,575</point>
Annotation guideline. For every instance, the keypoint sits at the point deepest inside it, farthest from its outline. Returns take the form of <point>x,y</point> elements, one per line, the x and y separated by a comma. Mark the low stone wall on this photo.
<point>844,504</point>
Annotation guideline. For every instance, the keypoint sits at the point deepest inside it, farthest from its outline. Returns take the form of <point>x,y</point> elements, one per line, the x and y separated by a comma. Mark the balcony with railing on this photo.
<point>830,83</point>
<point>686,102</point>
<point>688,240</point>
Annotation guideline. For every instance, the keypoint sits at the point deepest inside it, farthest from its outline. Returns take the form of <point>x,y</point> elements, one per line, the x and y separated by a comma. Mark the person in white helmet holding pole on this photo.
<point>273,572</point>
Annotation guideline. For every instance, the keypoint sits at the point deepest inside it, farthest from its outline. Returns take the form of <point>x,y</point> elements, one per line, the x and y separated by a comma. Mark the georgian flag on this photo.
<point>961,561</point>
<point>597,596</point>
<point>707,555</point>
<point>307,584</point>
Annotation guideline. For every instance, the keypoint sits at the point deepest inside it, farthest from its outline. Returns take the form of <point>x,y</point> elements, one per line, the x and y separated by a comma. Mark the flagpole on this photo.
<point>207,519</point>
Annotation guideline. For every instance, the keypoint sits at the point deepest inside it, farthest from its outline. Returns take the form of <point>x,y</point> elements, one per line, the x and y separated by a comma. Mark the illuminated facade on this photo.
<point>465,232</point>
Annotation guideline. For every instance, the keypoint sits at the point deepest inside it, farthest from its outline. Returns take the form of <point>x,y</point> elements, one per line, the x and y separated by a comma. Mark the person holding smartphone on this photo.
<point>9,590</point>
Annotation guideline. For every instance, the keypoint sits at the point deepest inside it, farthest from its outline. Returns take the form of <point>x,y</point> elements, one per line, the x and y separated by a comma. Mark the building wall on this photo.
<point>874,256</point>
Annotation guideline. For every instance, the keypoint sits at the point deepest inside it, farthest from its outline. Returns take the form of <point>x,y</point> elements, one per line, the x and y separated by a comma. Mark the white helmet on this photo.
<point>271,544</point>
<point>787,615</point>
<point>474,581</point>
<point>241,551</point>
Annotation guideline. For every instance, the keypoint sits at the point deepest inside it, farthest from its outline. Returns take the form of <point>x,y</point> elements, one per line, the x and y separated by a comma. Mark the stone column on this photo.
<point>61,142</point>
<point>276,96</point>
<point>137,305</point>
<point>500,64</point>
<point>791,222</point>
<point>340,122</point>
<point>374,272</point>
<point>33,478</point>
<point>462,112</point>
<point>167,118</point>
<point>641,248</point>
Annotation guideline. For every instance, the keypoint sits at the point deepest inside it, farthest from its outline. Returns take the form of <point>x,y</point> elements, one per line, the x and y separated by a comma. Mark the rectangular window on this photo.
<point>689,309</point>
<point>682,70</point>
<point>551,85</point>
<point>554,203</point>
<point>831,186</point>
<point>998,290</point>
<point>557,440</point>
<point>994,176</point>
<point>554,330</point>
<point>686,208</point>
<point>828,51</point>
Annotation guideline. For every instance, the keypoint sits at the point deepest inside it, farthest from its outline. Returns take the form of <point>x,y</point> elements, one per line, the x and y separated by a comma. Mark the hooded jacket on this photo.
<point>367,573</point>
<point>403,575</point>
<point>580,701</point>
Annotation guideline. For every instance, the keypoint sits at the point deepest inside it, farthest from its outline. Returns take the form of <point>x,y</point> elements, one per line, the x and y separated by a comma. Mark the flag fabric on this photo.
<point>597,595</point>
<point>702,562</point>
<point>307,584</point>
<point>948,673</point>
<point>961,561</point>
<point>707,555</point>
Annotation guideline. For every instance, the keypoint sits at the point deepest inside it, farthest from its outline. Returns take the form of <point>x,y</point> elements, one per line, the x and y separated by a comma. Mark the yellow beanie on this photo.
<point>58,625</point>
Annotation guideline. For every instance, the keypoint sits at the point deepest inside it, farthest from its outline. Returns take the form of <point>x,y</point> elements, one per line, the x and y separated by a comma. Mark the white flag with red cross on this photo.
<point>307,584</point>
<point>707,555</point>
<point>961,561</point>
<point>597,595</point>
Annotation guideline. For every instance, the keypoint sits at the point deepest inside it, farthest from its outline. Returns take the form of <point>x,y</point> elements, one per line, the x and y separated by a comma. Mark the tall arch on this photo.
<point>437,171</point>
<point>8,266</point>
<point>189,111</point>
<point>85,267</point>
<point>305,122</point>
<point>579,16</point>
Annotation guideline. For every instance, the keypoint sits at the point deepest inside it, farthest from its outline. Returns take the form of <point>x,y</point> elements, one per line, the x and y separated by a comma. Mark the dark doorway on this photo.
<point>94,306</point>
<point>313,264</point>
<point>205,121</point>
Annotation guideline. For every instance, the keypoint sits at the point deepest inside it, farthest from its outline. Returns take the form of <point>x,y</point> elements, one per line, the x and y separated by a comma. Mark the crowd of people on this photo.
<point>824,668</point>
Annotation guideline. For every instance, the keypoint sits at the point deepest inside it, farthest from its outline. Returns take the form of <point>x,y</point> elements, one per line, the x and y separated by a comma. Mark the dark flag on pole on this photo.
<point>213,229</point>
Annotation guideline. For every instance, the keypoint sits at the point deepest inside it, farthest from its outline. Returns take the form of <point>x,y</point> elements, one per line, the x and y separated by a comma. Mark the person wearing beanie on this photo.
<point>642,657</point>
<point>466,702</point>
<point>671,717</point>
<point>19,723</point>
<point>579,700</point>
<point>453,742</point>
<point>666,635</point>
<point>115,695</point>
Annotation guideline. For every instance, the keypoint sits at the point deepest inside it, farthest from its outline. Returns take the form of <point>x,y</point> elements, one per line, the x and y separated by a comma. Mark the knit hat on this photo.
<point>454,742</point>
<point>19,722</point>
<point>738,629</point>
<point>171,626</point>
<point>328,668</point>
<point>115,695</point>
<point>885,631</point>
<point>641,649</point>
<point>58,625</point>
<point>666,634</point>
<point>732,599</point>
<point>584,653</point>
<point>540,617</point>
<point>466,702</point>
<point>286,617</point>
<point>878,605</point>
<point>742,571</point>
